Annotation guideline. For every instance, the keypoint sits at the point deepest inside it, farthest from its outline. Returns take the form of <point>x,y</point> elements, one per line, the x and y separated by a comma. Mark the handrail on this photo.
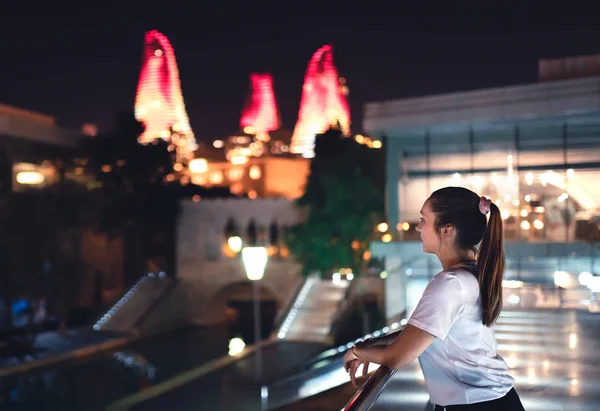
<point>328,363</point>
<point>366,396</point>
<point>381,340</point>
<point>289,302</point>
<point>296,302</point>
<point>117,306</point>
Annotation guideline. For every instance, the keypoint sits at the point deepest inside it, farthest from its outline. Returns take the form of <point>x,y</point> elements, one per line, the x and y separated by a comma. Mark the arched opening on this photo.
<point>252,233</point>
<point>231,228</point>
<point>234,304</point>
<point>274,233</point>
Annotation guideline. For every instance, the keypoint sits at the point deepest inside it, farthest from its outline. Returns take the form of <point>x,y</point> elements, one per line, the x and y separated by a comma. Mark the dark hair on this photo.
<point>459,207</point>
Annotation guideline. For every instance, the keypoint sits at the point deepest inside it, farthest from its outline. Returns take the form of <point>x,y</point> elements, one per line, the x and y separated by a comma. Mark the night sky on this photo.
<point>84,69</point>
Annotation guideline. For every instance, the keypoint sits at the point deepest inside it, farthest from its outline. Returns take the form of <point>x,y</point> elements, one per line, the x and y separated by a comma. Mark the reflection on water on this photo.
<point>92,384</point>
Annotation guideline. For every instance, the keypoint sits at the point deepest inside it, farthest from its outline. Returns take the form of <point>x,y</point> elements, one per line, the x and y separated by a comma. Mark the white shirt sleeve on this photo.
<point>439,307</point>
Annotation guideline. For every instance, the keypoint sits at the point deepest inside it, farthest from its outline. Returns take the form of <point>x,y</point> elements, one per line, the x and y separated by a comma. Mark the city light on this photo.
<point>562,279</point>
<point>198,165</point>
<point>235,244</point>
<point>255,261</point>
<point>585,277</point>
<point>323,104</point>
<point>382,227</point>
<point>30,177</point>
<point>255,172</point>
<point>236,346</point>
<point>159,102</point>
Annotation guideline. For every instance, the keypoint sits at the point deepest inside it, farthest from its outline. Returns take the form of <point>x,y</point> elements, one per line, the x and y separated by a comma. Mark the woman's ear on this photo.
<point>447,231</point>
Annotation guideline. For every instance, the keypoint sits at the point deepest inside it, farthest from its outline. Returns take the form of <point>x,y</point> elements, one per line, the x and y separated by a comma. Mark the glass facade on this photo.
<point>542,175</point>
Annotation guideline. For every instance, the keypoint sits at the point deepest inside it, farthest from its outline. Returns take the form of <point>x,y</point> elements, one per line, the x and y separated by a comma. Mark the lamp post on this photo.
<point>255,261</point>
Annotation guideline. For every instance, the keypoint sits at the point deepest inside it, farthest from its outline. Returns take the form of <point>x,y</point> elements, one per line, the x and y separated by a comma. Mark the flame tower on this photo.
<point>260,116</point>
<point>323,104</point>
<point>159,102</point>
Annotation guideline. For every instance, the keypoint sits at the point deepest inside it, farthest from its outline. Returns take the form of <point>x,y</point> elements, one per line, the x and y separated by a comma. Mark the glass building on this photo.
<point>533,149</point>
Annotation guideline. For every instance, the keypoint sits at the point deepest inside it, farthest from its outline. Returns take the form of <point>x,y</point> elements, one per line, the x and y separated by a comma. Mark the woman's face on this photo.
<point>429,237</point>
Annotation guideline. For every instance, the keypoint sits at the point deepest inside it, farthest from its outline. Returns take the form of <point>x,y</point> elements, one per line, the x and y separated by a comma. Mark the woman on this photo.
<point>451,330</point>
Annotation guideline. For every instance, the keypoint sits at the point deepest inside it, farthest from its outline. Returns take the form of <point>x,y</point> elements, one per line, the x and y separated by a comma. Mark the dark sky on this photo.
<point>85,68</point>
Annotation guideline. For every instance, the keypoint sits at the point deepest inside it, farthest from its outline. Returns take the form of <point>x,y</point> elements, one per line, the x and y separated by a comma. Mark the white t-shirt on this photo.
<point>461,366</point>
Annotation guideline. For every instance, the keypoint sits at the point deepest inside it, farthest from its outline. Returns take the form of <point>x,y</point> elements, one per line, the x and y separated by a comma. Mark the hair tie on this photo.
<point>484,205</point>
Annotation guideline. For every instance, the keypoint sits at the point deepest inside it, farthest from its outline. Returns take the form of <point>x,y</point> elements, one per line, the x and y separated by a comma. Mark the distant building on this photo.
<point>252,165</point>
<point>27,139</point>
<point>534,149</point>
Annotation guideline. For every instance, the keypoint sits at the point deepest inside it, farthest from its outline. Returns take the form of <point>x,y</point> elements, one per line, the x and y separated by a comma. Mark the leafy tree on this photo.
<point>343,201</point>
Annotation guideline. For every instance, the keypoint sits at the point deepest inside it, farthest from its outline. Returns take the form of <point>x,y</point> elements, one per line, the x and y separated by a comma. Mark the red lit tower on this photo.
<point>260,116</point>
<point>323,104</point>
<point>159,102</point>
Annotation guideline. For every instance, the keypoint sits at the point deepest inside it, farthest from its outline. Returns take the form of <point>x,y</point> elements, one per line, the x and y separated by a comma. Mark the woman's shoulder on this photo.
<point>466,275</point>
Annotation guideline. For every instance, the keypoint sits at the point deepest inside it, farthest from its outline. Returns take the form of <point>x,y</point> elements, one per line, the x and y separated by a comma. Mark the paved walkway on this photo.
<point>552,354</point>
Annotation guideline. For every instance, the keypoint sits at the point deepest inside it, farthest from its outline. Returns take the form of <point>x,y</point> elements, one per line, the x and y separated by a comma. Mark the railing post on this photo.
<point>264,398</point>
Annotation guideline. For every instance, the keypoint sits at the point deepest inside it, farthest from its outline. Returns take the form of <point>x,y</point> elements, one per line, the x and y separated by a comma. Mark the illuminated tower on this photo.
<point>323,104</point>
<point>159,102</point>
<point>260,116</point>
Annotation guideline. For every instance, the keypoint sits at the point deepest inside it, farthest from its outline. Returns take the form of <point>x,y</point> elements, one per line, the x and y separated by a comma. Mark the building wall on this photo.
<point>206,265</point>
<point>286,177</point>
<point>25,124</point>
<point>278,177</point>
<point>548,153</point>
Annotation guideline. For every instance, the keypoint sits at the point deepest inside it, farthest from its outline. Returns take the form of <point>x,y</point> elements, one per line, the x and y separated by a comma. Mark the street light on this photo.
<point>235,243</point>
<point>255,261</point>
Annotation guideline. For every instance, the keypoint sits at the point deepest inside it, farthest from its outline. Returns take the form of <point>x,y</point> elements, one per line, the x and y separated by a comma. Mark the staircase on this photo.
<point>313,311</point>
<point>134,306</point>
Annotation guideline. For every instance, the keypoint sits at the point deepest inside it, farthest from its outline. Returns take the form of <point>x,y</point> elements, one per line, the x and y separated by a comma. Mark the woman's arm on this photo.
<point>383,340</point>
<point>402,351</point>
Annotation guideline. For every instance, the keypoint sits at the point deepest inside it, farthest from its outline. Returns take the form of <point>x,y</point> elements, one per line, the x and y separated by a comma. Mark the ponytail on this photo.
<point>490,268</point>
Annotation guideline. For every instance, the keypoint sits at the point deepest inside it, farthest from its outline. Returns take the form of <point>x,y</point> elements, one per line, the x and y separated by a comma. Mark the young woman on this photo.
<point>451,330</point>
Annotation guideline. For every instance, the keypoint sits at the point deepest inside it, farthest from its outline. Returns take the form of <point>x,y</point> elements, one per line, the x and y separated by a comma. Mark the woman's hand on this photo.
<point>351,364</point>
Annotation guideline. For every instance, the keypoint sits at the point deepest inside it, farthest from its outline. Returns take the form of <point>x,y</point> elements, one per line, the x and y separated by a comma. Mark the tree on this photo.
<point>343,201</point>
<point>139,193</point>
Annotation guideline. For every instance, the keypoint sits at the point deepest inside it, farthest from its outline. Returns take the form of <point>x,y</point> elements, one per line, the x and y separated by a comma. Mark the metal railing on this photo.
<point>123,306</point>
<point>366,396</point>
<point>291,310</point>
<point>289,302</point>
<point>325,371</point>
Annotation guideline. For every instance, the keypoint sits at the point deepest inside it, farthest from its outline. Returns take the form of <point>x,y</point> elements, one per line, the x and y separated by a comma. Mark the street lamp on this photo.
<point>255,261</point>
<point>235,243</point>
